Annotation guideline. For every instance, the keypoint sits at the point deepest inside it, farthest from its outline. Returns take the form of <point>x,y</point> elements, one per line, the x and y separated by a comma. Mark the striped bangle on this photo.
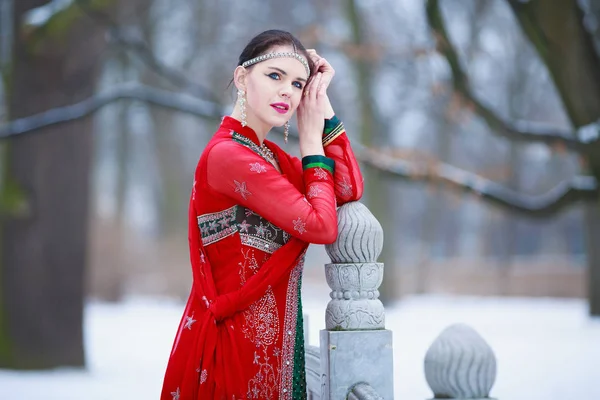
<point>333,128</point>
<point>318,161</point>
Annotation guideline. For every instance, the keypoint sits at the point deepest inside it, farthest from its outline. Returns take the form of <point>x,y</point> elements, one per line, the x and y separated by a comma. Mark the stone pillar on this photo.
<point>355,346</point>
<point>460,365</point>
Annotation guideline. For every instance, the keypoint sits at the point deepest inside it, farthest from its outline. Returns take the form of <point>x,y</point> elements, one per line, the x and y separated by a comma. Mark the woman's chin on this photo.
<point>280,121</point>
<point>277,120</point>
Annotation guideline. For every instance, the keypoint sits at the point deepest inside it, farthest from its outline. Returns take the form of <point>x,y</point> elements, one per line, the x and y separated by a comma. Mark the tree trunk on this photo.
<point>172,191</point>
<point>375,193</point>
<point>556,30</point>
<point>43,249</point>
<point>592,230</point>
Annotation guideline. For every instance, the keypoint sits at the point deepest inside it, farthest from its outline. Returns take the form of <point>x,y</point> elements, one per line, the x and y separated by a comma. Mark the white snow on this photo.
<point>545,348</point>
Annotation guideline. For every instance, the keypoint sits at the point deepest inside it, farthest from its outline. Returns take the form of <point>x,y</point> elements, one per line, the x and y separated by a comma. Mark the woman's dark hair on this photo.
<point>262,42</point>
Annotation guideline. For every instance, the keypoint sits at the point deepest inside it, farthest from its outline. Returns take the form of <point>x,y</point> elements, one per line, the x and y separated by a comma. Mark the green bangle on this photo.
<point>318,161</point>
<point>333,128</point>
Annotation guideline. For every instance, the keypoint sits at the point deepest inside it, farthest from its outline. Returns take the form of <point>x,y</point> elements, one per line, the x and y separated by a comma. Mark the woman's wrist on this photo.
<point>311,147</point>
<point>328,111</point>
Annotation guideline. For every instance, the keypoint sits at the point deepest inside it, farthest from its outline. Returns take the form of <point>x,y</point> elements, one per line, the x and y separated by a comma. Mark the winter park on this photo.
<point>377,199</point>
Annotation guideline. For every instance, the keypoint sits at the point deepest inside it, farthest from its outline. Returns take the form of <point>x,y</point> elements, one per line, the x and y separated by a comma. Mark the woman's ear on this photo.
<point>239,77</point>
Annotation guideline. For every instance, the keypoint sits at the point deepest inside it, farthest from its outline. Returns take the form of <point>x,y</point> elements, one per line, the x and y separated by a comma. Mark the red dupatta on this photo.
<point>205,360</point>
<point>211,342</point>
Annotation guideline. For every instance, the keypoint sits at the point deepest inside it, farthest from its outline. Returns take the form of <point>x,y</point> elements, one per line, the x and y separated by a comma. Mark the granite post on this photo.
<point>356,349</point>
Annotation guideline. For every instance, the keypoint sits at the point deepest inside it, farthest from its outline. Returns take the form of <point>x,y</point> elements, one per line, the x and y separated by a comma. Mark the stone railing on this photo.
<point>355,334</point>
<point>354,360</point>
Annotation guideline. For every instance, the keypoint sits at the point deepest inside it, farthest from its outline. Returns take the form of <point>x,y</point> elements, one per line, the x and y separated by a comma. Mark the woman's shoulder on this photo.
<point>229,146</point>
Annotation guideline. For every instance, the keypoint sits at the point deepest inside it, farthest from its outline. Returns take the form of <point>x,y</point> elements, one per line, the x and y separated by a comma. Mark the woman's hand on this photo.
<point>327,71</point>
<point>323,66</point>
<point>311,116</point>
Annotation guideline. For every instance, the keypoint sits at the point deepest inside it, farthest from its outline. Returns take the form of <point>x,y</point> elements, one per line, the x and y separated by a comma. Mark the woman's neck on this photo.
<point>259,128</point>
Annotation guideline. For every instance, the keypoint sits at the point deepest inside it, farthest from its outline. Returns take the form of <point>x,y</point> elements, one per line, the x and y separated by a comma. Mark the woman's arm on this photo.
<point>348,178</point>
<point>239,173</point>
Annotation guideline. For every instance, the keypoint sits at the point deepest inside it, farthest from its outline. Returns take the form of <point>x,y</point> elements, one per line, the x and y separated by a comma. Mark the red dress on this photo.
<point>241,334</point>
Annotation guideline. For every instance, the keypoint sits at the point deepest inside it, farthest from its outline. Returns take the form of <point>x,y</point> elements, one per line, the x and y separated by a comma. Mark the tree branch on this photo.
<point>558,34</point>
<point>520,131</point>
<point>163,98</point>
<point>41,13</point>
<point>131,41</point>
<point>580,188</point>
<point>583,188</point>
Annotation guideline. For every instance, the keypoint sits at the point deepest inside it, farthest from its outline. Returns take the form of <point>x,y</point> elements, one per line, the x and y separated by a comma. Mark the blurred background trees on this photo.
<point>477,124</point>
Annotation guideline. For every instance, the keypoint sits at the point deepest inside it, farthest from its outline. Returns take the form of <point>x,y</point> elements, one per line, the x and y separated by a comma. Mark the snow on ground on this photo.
<point>546,349</point>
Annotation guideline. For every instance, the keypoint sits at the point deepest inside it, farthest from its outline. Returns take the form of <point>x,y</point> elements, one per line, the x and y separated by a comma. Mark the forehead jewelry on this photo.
<point>270,56</point>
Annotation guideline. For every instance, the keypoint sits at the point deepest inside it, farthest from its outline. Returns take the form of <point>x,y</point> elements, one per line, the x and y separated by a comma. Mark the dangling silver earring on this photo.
<point>242,102</point>
<point>286,131</point>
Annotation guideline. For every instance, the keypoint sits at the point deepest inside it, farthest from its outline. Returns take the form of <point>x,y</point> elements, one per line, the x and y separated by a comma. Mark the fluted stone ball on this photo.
<point>460,364</point>
<point>360,236</point>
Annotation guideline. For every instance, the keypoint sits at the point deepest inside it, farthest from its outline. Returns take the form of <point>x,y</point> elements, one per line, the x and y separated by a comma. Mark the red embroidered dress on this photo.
<point>241,333</point>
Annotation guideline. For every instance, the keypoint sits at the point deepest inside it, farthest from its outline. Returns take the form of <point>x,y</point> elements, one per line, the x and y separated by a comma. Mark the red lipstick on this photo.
<point>281,108</point>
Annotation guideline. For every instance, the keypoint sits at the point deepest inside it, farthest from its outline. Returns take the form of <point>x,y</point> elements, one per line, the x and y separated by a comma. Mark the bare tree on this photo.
<point>556,31</point>
<point>68,115</point>
<point>44,234</point>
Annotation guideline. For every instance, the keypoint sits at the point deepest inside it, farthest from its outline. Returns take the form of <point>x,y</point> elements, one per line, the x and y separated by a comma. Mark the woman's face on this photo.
<point>274,88</point>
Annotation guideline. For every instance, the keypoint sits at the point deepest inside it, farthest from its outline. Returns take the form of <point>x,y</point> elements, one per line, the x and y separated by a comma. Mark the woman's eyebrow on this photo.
<point>285,73</point>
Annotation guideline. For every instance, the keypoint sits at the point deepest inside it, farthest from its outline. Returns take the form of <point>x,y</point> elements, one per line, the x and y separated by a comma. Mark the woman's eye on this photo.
<point>274,75</point>
<point>298,85</point>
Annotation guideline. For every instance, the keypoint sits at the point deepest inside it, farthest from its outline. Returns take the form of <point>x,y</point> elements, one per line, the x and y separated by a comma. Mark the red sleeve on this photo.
<point>239,173</point>
<point>348,179</point>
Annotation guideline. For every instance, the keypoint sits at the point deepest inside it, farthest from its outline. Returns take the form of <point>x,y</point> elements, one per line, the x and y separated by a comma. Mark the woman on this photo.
<point>253,211</point>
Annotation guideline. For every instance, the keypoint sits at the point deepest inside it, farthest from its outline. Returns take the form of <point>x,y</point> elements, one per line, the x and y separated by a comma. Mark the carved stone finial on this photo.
<point>360,236</point>
<point>460,364</point>
<point>354,275</point>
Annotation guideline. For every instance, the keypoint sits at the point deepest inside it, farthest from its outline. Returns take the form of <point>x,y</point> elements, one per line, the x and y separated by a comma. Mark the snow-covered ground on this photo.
<point>546,348</point>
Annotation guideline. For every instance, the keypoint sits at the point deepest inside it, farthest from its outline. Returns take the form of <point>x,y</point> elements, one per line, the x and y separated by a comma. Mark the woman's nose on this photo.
<point>285,92</point>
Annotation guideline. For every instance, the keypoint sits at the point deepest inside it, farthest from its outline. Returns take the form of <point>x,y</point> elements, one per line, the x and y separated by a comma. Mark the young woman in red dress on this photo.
<point>253,211</point>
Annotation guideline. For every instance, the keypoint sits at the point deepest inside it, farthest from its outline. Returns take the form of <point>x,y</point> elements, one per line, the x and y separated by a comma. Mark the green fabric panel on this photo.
<point>318,161</point>
<point>299,375</point>
<point>333,134</point>
<point>331,124</point>
<point>319,165</point>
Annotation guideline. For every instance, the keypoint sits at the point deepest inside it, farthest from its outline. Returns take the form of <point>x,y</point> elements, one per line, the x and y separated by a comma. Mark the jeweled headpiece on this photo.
<point>269,56</point>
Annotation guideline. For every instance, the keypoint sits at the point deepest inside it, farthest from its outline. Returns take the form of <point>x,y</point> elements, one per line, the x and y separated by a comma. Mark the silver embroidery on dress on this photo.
<point>258,168</point>
<point>255,231</point>
<point>240,187</point>
<point>189,321</point>
<point>345,187</point>
<point>321,174</point>
<point>261,327</point>
<point>299,225</point>
<point>314,191</point>
<point>289,331</point>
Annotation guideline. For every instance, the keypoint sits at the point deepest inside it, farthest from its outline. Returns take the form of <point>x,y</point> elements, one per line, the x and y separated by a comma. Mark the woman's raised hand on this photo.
<point>311,116</point>
<point>323,66</point>
<point>327,71</point>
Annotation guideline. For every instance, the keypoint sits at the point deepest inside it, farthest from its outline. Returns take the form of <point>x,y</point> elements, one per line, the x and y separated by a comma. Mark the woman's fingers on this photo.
<point>308,87</point>
<point>323,66</point>
<point>323,85</point>
<point>315,86</point>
